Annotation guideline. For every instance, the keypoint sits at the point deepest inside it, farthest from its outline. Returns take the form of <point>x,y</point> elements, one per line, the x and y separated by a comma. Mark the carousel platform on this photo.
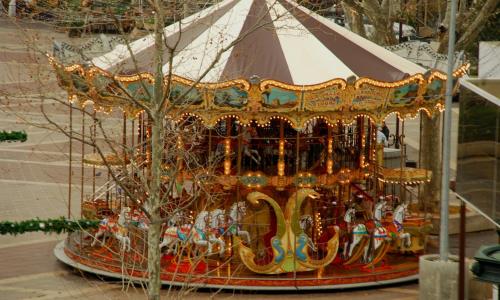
<point>233,276</point>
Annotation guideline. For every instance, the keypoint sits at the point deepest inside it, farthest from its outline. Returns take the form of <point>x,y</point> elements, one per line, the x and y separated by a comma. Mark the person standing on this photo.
<point>381,137</point>
<point>385,130</point>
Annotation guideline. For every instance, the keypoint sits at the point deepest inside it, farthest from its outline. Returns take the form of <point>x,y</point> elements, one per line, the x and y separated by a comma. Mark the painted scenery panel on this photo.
<point>182,95</point>
<point>368,97</point>
<point>331,99</point>
<point>140,91</point>
<point>434,90</point>
<point>231,97</point>
<point>404,95</point>
<point>279,98</point>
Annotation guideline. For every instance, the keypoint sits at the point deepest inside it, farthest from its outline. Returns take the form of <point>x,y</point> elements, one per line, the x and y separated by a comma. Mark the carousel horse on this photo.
<point>358,232</point>
<point>176,219</point>
<point>398,218</point>
<point>392,199</point>
<point>139,219</point>
<point>236,213</point>
<point>196,234</point>
<point>250,153</point>
<point>218,220</point>
<point>305,222</point>
<point>380,234</point>
<point>118,229</point>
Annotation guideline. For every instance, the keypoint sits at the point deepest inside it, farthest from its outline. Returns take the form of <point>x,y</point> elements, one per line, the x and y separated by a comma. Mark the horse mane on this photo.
<point>200,219</point>
<point>350,211</point>
<point>399,209</point>
<point>214,215</point>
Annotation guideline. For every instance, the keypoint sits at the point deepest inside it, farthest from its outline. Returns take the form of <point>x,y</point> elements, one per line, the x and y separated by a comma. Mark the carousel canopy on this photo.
<point>305,65</point>
<point>280,40</point>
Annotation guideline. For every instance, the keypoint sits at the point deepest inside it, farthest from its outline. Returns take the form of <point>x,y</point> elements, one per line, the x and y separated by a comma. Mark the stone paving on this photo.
<point>32,272</point>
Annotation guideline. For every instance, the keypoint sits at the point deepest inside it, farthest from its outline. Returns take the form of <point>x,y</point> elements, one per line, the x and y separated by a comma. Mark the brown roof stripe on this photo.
<point>360,61</point>
<point>188,34</point>
<point>259,52</point>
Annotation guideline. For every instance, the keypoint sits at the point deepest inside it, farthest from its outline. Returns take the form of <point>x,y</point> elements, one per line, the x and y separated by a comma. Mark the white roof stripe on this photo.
<point>395,60</point>
<point>197,57</point>
<point>309,61</point>
<point>120,52</point>
<point>307,53</point>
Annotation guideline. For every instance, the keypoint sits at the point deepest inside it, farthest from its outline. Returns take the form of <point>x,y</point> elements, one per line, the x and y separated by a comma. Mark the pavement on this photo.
<point>34,183</point>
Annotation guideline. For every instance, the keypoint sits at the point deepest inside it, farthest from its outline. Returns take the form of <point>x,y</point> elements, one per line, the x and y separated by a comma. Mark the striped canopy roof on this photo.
<point>276,39</point>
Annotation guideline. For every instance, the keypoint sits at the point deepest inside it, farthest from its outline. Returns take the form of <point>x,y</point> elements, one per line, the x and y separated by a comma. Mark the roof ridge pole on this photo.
<point>445,183</point>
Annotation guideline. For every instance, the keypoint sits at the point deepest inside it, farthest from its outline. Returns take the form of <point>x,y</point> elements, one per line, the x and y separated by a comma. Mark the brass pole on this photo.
<point>227,149</point>
<point>281,151</point>
<point>70,156</point>
<point>239,159</point>
<point>124,137</point>
<point>132,134</point>
<point>297,162</point>
<point>83,153</point>
<point>329,152</point>
<point>402,188</point>
<point>210,146</point>
<point>238,170</point>
<point>94,132</point>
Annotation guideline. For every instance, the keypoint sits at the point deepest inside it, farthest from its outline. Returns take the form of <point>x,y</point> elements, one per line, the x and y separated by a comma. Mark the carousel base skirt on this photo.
<point>336,277</point>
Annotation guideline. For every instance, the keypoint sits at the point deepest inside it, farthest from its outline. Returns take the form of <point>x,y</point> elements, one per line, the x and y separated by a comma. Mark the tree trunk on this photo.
<point>154,203</point>
<point>154,283</point>
<point>157,135</point>
<point>431,160</point>
<point>472,30</point>
<point>380,15</point>
<point>355,20</point>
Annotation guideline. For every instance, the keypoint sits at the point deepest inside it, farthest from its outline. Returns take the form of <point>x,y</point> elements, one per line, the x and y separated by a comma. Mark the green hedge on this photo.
<point>60,225</point>
<point>13,136</point>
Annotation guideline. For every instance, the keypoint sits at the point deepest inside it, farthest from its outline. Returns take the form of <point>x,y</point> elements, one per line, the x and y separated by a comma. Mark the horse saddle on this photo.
<point>183,232</point>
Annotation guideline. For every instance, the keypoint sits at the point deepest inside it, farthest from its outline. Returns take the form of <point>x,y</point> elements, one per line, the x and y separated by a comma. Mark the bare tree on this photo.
<point>143,178</point>
<point>471,18</point>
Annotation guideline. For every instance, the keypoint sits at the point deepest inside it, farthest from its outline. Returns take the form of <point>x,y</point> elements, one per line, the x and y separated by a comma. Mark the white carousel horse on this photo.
<point>139,219</point>
<point>218,220</point>
<point>196,234</point>
<point>398,218</point>
<point>118,229</point>
<point>176,219</point>
<point>380,234</point>
<point>236,213</point>
<point>358,231</point>
<point>305,222</point>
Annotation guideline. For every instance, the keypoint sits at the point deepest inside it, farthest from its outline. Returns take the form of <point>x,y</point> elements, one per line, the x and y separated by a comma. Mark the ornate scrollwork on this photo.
<point>260,101</point>
<point>289,245</point>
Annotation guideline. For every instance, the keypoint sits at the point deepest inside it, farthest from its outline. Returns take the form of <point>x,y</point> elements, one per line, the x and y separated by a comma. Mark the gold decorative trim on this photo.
<point>333,101</point>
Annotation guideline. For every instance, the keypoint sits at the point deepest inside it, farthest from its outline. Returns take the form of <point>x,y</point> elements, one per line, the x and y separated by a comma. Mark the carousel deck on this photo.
<point>231,274</point>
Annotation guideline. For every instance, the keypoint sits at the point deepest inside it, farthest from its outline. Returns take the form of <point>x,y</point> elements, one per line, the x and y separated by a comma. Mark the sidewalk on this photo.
<point>32,272</point>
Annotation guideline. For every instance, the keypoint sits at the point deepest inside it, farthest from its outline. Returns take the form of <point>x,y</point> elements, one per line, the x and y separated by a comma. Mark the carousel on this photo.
<point>289,122</point>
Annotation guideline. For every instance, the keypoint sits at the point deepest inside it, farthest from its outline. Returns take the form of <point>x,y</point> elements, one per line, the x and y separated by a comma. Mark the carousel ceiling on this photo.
<point>288,63</point>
